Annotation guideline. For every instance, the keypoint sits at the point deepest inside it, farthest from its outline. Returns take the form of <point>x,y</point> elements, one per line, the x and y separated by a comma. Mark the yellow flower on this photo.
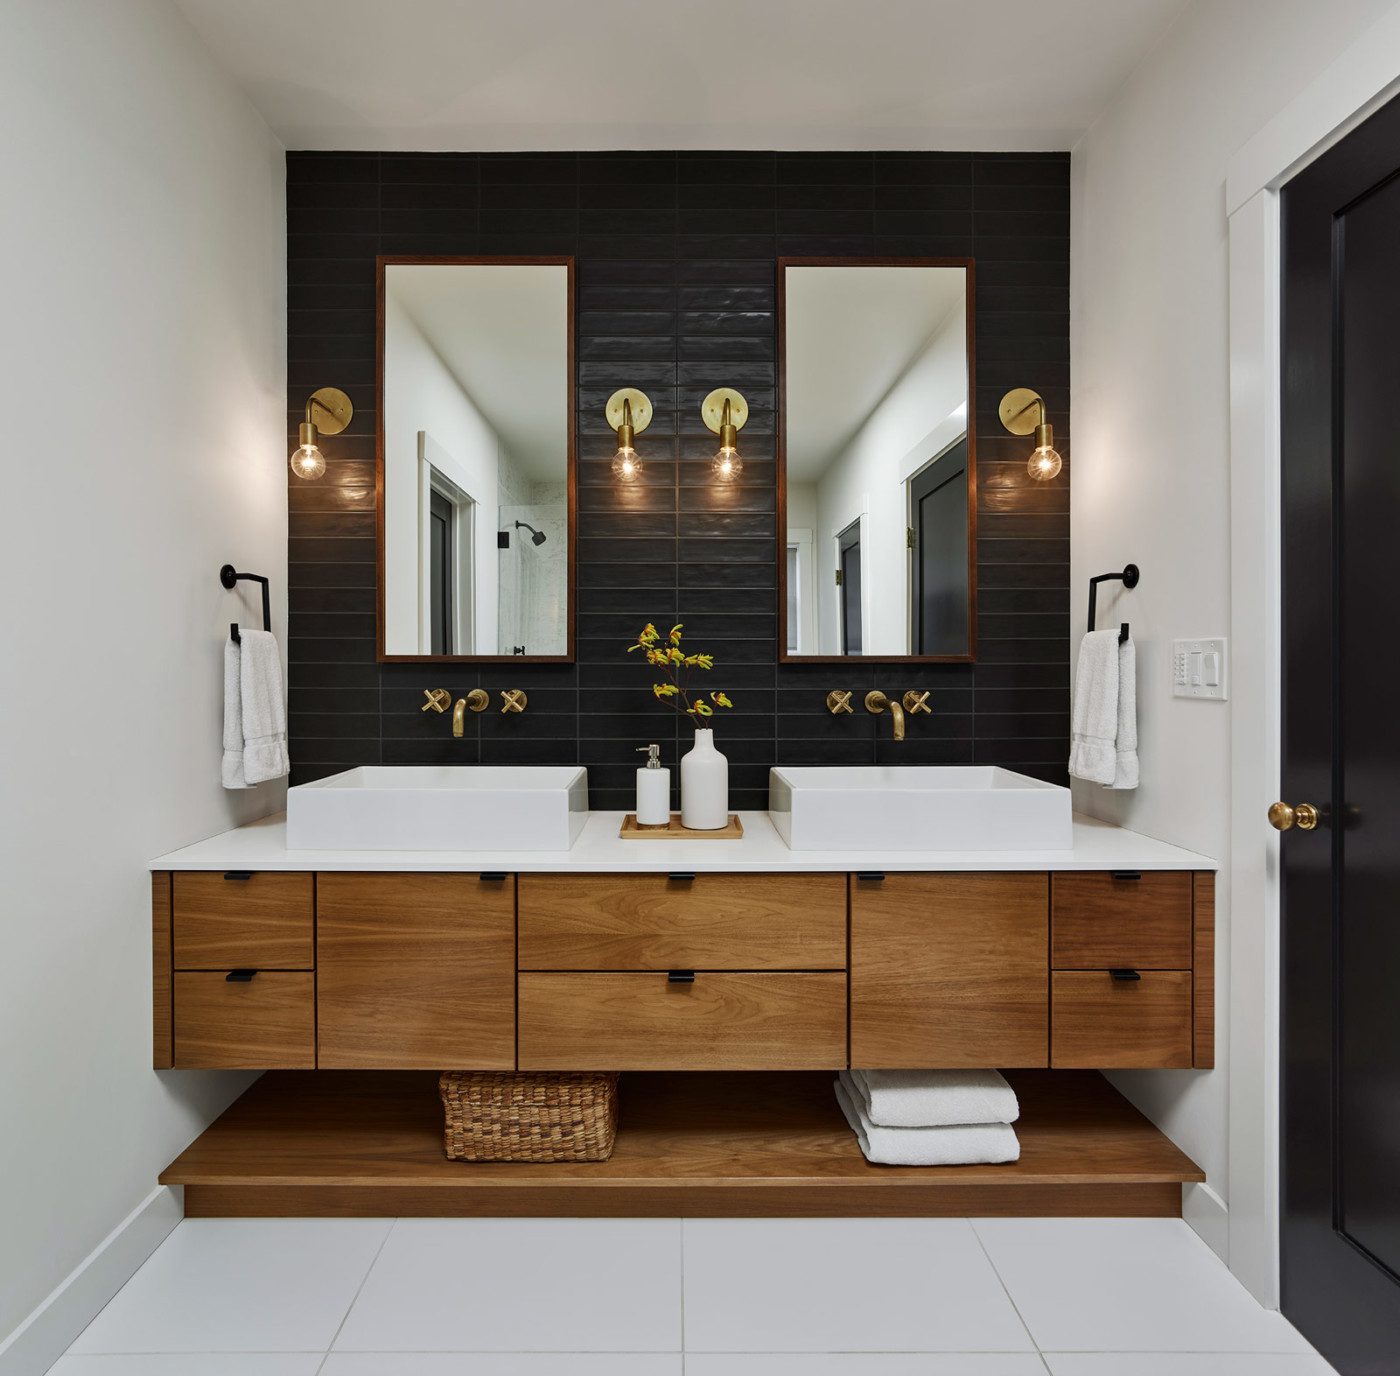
<point>722,699</point>
<point>676,633</point>
<point>703,709</point>
<point>664,690</point>
<point>705,661</point>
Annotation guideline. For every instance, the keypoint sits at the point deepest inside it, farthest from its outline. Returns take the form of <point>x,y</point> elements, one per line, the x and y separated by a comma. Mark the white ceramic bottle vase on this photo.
<point>704,785</point>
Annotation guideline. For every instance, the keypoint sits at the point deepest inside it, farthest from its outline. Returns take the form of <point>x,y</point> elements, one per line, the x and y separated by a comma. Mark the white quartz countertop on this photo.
<point>599,850</point>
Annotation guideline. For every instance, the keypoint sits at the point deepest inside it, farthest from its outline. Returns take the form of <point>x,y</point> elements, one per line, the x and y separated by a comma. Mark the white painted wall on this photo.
<point>421,393</point>
<point>1151,425</point>
<point>918,417</point>
<point>144,444</point>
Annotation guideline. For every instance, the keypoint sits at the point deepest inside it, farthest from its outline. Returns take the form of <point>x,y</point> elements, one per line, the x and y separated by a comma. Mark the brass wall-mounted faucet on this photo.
<point>913,702</point>
<point>877,702</point>
<point>477,700</point>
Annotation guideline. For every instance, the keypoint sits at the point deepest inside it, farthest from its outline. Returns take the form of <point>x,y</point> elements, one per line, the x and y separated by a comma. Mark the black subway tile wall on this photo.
<point>676,295</point>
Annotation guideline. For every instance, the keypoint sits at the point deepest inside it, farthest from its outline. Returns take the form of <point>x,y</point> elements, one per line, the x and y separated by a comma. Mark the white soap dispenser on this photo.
<point>653,790</point>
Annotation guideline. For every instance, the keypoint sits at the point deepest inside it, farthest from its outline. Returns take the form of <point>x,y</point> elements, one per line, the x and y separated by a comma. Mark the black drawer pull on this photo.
<point>239,976</point>
<point>680,976</point>
<point>680,877</point>
<point>871,876</point>
<point>1126,975</point>
<point>494,877</point>
<point>1127,874</point>
<point>241,875</point>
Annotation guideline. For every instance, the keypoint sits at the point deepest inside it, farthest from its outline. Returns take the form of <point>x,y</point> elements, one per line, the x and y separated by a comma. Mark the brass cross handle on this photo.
<point>917,702</point>
<point>1283,817</point>
<point>838,701</point>
<point>438,700</point>
<point>513,700</point>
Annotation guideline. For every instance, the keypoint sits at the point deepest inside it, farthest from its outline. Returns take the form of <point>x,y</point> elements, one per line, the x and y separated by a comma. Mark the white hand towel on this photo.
<point>232,769</point>
<point>965,1145</point>
<point>256,738</point>
<point>932,1098</point>
<point>1094,747</point>
<point>1125,760</point>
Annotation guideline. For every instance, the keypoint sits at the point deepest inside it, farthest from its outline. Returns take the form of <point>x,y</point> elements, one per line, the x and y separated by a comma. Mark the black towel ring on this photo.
<point>230,578</point>
<point>1129,578</point>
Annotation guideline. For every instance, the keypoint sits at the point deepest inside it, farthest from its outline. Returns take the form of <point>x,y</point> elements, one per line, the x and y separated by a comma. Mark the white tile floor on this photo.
<point>711,1297</point>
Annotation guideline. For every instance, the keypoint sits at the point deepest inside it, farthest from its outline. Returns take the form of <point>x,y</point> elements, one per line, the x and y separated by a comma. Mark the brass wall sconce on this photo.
<point>629,413</point>
<point>328,411</point>
<point>725,411</point>
<point>1022,412</point>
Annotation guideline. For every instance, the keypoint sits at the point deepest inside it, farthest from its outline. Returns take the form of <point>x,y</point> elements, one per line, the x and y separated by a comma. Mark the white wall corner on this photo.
<point>73,1304</point>
<point>1208,1215</point>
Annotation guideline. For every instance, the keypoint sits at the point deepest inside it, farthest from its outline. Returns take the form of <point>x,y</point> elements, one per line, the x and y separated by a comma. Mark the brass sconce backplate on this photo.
<point>712,408</point>
<point>640,405</point>
<point>329,410</point>
<point>1020,410</point>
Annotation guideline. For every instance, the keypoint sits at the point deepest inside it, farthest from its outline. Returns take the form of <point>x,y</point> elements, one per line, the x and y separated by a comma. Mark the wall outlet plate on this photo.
<point>1200,669</point>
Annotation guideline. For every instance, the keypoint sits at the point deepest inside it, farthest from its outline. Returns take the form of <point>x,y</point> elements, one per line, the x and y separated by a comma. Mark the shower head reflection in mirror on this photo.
<point>477,434</point>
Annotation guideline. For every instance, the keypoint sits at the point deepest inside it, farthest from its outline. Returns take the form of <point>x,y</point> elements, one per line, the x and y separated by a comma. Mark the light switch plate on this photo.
<point>1200,669</point>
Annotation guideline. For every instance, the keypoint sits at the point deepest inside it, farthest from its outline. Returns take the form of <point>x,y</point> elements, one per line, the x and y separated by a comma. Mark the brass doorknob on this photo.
<point>1283,817</point>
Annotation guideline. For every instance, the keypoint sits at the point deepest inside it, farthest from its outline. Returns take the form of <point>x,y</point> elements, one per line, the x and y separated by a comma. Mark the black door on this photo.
<point>848,543</point>
<point>938,510</point>
<point>1341,751</point>
<point>441,558</point>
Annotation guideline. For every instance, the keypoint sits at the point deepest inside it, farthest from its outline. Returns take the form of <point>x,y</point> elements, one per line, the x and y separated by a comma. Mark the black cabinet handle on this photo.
<point>493,878</point>
<point>680,877</point>
<point>1125,975</point>
<point>680,976</point>
<point>870,876</point>
<point>1127,874</point>
<point>239,976</point>
<point>240,875</point>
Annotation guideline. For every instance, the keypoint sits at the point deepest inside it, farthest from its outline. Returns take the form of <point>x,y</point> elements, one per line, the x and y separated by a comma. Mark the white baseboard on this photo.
<point>51,1329</point>
<point>1207,1214</point>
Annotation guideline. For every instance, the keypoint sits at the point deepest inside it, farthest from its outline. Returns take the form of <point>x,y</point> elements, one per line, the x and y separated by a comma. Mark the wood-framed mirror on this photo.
<point>877,460</point>
<point>475,459</point>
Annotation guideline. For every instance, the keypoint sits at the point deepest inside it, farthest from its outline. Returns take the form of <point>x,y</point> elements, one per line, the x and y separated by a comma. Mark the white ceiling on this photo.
<point>503,331</point>
<point>560,74</point>
<point>852,333</point>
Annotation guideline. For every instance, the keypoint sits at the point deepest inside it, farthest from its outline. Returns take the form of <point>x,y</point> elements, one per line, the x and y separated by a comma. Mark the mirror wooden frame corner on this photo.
<point>780,535</point>
<point>383,262</point>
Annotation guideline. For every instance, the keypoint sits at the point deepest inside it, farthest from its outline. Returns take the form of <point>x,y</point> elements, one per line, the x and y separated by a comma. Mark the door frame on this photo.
<point>1362,79</point>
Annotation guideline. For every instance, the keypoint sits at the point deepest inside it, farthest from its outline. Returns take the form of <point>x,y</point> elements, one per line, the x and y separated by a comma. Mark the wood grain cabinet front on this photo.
<point>245,1019</point>
<point>712,1021</point>
<point>698,922</point>
<point>1103,919</point>
<point>415,971</point>
<point>950,970</point>
<point>262,921</point>
<point>1121,1019</point>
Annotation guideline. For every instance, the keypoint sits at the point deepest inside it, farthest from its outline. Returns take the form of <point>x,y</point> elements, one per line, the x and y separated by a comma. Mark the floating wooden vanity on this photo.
<point>722,968</point>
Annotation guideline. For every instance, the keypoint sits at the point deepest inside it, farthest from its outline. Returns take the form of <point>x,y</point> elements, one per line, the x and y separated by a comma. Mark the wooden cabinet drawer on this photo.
<point>657,922</point>
<point>1098,921</point>
<point>1103,1023</point>
<point>264,1023</point>
<point>416,971</point>
<point>724,1021</point>
<point>950,970</point>
<point>263,921</point>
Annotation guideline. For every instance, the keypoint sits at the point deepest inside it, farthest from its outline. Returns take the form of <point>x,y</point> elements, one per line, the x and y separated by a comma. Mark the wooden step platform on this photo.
<point>355,1143</point>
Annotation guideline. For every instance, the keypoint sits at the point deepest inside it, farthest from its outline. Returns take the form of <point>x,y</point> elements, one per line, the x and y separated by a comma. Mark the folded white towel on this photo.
<point>1093,750</point>
<point>1125,760</point>
<point>255,718</point>
<point>965,1145</point>
<point>932,1098</point>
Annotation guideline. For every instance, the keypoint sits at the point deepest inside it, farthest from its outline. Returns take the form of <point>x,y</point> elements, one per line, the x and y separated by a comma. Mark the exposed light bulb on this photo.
<point>1045,463</point>
<point>308,462</point>
<point>626,465</point>
<point>726,464</point>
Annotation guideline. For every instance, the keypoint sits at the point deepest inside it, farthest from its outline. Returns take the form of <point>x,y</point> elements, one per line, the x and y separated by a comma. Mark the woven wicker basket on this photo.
<point>527,1117</point>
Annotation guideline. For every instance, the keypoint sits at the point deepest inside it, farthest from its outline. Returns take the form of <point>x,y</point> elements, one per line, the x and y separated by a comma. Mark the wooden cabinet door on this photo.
<point>415,972</point>
<point>950,970</point>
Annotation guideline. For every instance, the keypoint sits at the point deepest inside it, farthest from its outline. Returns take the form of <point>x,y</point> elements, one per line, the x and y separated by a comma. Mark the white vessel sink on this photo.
<point>917,807</point>
<point>440,807</point>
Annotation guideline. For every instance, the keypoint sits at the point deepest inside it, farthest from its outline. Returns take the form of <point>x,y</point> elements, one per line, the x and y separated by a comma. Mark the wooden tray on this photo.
<point>632,830</point>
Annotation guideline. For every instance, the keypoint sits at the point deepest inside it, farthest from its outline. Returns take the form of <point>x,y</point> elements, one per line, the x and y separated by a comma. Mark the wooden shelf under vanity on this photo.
<point>700,1144</point>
